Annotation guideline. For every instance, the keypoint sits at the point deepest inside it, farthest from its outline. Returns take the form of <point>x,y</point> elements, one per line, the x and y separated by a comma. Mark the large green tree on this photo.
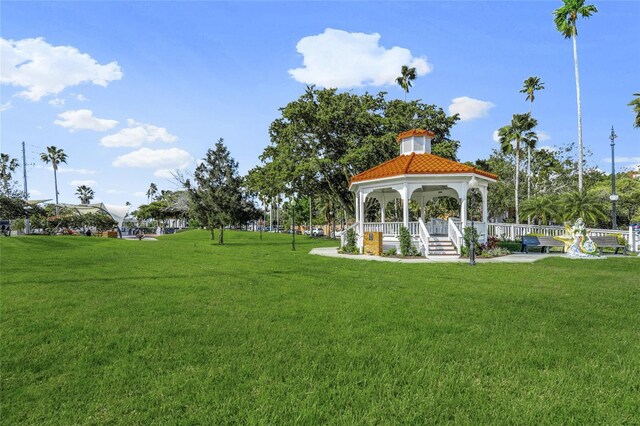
<point>54,156</point>
<point>324,138</point>
<point>8,166</point>
<point>217,190</point>
<point>566,20</point>
<point>512,136</point>
<point>530,87</point>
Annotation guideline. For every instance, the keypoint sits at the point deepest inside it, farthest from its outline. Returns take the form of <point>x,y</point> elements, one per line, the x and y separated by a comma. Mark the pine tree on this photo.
<point>217,194</point>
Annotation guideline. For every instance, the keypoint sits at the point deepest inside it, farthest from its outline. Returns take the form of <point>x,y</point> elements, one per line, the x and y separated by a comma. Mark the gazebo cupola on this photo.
<point>416,140</point>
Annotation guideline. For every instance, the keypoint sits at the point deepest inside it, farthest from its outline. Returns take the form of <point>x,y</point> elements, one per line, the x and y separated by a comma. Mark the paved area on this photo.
<point>513,258</point>
<point>134,238</point>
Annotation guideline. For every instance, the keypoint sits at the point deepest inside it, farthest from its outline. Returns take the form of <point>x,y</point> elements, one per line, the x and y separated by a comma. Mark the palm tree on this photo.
<point>531,85</point>
<point>636,108</point>
<point>542,208</point>
<point>566,18</point>
<point>8,165</point>
<point>153,190</point>
<point>407,75</point>
<point>85,194</point>
<point>511,136</point>
<point>586,205</point>
<point>54,156</point>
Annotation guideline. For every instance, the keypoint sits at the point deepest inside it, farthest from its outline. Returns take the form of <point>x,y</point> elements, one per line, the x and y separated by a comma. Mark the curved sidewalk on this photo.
<point>512,258</point>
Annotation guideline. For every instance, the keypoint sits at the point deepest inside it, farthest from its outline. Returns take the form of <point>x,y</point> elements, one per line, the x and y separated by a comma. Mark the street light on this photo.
<point>473,184</point>
<point>614,196</point>
<point>292,203</point>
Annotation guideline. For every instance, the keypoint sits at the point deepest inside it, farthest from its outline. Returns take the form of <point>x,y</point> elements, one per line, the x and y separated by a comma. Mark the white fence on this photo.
<point>513,232</point>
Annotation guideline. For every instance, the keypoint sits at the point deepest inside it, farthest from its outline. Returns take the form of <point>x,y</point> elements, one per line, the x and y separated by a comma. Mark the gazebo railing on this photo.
<point>392,229</point>
<point>513,232</point>
<point>453,231</point>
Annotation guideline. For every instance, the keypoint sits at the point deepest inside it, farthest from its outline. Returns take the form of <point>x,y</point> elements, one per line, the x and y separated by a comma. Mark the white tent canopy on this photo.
<point>118,213</point>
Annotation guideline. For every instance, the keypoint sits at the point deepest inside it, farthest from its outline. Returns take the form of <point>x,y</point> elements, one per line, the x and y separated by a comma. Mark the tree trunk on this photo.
<point>221,234</point>
<point>517,182</point>
<point>55,181</point>
<point>212,229</point>
<point>580,153</point>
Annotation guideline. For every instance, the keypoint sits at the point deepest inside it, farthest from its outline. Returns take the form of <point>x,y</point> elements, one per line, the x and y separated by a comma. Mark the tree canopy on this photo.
<point>324,138</point>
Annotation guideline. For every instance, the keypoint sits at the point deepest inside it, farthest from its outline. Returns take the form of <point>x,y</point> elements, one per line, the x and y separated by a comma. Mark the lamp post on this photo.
<point>473,184</point>
<point>614,196</point>
<point>292,203</point>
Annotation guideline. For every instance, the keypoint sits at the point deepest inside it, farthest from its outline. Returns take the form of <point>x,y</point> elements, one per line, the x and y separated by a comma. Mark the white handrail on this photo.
<point>343,236</point>
<point>454,234</point>
<point>424,236</point>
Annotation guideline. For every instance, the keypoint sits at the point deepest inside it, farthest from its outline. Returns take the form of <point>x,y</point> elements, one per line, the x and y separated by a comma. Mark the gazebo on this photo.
<point>418,175</point>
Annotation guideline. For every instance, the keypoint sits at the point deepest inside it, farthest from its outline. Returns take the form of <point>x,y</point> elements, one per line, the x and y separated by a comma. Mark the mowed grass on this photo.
<point>183,331</point>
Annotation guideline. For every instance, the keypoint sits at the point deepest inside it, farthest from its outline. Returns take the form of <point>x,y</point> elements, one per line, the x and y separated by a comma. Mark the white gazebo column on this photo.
<point>361,197</point>
<point>463,212</point>
<point>485,210</point>
<point>383,204</point>
<point>404,193</point>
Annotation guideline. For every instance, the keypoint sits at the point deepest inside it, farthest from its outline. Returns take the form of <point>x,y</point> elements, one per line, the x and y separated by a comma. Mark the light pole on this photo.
<point>473,184</point>
<point>292,203</point>
<point>614,196</point>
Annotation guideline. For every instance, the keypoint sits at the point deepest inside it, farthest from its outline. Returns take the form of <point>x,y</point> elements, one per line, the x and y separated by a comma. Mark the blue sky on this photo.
<point>133,90</point>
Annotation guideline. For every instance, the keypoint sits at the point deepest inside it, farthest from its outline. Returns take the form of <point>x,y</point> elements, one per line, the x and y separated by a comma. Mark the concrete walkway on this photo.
<point>513,258</point>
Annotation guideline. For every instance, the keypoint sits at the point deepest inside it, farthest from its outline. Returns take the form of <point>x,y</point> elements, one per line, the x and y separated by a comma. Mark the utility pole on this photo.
<point>614,196</point>
<point>26,193</point>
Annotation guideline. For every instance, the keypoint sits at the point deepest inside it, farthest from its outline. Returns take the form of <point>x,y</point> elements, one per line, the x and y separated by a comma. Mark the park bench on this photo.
<point>609,241</point>
<point>542,242</point>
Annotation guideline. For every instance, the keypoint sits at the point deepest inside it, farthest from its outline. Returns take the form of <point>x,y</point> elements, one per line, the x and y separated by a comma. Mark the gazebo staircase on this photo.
<point>441,245</point>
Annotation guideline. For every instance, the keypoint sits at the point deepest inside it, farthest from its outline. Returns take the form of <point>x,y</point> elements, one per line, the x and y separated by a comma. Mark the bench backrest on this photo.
<point>529,240</point>
<point>606,240</point>
<point>550,241</point>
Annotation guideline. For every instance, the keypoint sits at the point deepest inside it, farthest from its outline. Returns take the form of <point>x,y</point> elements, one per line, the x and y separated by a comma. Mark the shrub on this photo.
<point>390,252</point>
<point>467,240</point>
<point>350,245</point>
<point>406,243</point>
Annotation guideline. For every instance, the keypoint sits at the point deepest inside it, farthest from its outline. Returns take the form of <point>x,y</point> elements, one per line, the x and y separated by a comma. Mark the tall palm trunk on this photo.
<point>55,182</point>
<point>580,155</point>
<point>517,182</point>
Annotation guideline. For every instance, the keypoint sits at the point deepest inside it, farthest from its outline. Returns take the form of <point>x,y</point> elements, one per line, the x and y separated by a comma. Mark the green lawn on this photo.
<point>184,331</point>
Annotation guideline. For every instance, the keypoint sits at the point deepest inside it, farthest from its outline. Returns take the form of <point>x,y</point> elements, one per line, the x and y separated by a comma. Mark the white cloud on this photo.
<point>88,182</point>
<point>140,194</point>
<point>5,106</point>
<point>35,193</point>
<point>83,119</point>
<point>43,69</point>
<point>542,136</point>
<point>548,148</point>
<point>341,59</point>
<point>114,191</point>
<point>57,102</point>
<point>79,171</point>
<point>623,160</point>
<point>469,108</point>
<point>163,173</point>
<point>138,134</point>
<point>80,98</point>
<point>158,159</point>
<point>496,136</point>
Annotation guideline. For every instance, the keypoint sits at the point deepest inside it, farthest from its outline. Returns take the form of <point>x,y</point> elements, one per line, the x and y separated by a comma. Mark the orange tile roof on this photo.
<point>415,132</point>
<point>418,164</point>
